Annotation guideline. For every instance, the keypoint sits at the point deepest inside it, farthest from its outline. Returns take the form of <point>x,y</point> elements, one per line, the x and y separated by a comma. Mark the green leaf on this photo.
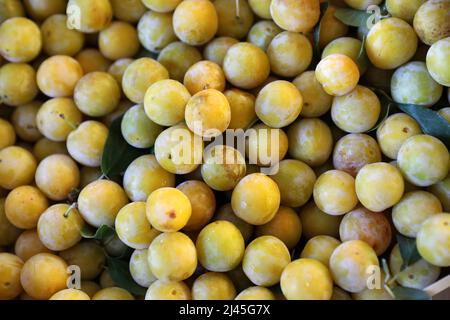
<point>120,273</point>
<point>402,293</point>
<point>316,33</point>
<point>386,107</point>
<point>431,122</point>
<point>351,17</point>
<point>362,60</point>
<point>102,233</point>
<point>118,154</point>
<point>408,250</point>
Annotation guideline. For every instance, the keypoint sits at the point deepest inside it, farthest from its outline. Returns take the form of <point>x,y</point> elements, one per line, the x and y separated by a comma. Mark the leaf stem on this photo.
<point>72,206</point>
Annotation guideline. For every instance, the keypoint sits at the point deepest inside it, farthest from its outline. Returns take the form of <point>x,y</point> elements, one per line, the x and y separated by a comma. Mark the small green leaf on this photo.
<point>351,17</point>
<point>431,122</point>
<point>386,107</point>
<point>362,60</point>
<point>102,233</point>
<point>316,33</point>
<point>120,273</point>
<point>402,293</point>
<point>408,250</point>
<point>118,154</point>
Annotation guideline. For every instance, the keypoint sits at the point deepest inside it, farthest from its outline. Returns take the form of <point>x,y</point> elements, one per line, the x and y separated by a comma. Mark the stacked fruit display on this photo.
<point>248,149</point>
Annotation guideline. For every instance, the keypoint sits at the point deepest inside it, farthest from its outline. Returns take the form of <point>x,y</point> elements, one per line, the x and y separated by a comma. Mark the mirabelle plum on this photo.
<point>220,246</point>
<point>88,255</point>
<point>354,151</point>
<point>310,141</point>
<point>168,209</point>
<point>155,30</point>
<point>350,265</point>
<point>178,150</point>
<point>195,22</point>
<point>320,248</point>
<point>89,16</point>
<point>370,227</point>
<point>56,118</point>
<point>316,102</point>
<point>262,33</point>
<point>58,39</point>
<point>168,290</point>
<point>203,203</point>
<point>17,167</point>
<point>28,245</point>
<point>208,113</point>
<point>438,59</point>
<point>132,226</point>
<point>172,257</point>
<point>256,208</point>
<point>334,192</point>
<point>204,75</point>
<point>264,260</point>
<point>217,48</point>
<point>20,40</point>
<point>7,134</point>
<point>100,202</point>
<point>86,143</point>
<point>140,269</point>
<point>137,129</point>
<point>424,160</point>
<point>58,75</point>
<point>390,43</point>
<point>433,240</point>
<point>140,75</point>
<point>431,21</point>
<point>394,131</point>
<point>278,104</point>
<point>165,102</point>
<point>379,186</point>
<point>113,293</point>
<point>143,176</point>
<point>57,176</point>
<point>24,205</point>
<point>289,53</point>
<point>70,294</point>
<point>17,84</point>
<point>59,227</point>
<point>414,208</point>
<point>178,57</point>
<point>43,275</point>
<point>24,121</point>
<point>413,84</point>
<point>246,66</point>
<point>306,279</point>
<point>213,286</point>
<point>97,94</point>
<point>255,293</point>
<point>10,286</point>
<point>286,226</point>
<point>295,15</point>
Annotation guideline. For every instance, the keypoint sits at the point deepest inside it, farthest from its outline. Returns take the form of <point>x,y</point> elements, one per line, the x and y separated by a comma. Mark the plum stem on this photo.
<point>72,206</point>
